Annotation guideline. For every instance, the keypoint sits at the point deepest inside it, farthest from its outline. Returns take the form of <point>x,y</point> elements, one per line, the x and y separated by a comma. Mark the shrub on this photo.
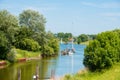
<point>48,51</point>
<point>11,56</point>
<point>102,52</point>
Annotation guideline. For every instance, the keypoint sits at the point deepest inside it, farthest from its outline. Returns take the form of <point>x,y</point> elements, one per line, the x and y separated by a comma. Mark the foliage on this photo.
<point>51,45</point>
<point>29,34</point>
<point>85,37</point>
<point>82,38</point>
<point>11,56</point>
<point>4,46</point>
<point>48,51</point>
<point>92,37</point>
<point>53,42</point>
<point>8,23</point>
<point>33,20</point>
<point>103,52</point>
<point>23,32</point>
<point>28,44</point>
<point>67,77</point>
<point>64,36</point>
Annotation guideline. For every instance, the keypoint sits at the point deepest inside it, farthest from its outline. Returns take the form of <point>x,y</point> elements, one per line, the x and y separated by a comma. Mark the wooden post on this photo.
<point>19,74</point>
<point>37,72</point>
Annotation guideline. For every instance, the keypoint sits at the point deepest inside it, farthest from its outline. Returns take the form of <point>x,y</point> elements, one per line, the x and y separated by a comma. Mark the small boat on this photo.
<point>69,51</point>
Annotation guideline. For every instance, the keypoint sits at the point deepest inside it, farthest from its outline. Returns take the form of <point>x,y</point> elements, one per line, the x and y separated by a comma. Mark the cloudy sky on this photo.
<point>74,16</point>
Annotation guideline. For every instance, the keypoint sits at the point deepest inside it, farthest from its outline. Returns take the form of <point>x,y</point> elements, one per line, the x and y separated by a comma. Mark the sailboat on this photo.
<point>69,50</point>
<point>61,41</point>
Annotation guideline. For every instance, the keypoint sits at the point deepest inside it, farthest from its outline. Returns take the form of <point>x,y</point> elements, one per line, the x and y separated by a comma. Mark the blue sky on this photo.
<point>74,16</point>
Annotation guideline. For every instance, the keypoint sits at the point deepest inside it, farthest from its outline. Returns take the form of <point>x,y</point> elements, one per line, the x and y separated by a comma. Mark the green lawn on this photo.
<point>110,74</point>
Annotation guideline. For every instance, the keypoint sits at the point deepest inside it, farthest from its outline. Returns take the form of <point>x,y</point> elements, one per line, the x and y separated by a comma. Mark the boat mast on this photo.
<point>72,42</point>
<point>61,41</point>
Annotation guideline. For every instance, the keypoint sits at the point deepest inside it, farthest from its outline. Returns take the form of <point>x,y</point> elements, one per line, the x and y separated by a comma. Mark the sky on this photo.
<point>71,16</point>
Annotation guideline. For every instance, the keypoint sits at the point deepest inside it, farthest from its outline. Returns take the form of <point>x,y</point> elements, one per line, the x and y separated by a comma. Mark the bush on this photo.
<point>11,56</point>
<point>28,44</point>
<point>53,43</point>
<point>102,52</point>
<point>48,51</point>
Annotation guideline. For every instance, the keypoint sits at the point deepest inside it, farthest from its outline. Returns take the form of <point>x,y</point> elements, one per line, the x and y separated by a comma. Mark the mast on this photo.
<point>72,42</point>
<point>61,41</point>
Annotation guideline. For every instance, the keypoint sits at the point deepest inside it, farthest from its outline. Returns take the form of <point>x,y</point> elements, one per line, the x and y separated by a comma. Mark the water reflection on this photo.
<point>59,66</point>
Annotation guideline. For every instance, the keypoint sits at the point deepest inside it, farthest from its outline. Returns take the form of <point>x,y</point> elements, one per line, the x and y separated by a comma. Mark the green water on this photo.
<point>26,70</point>
<point>59,66</point>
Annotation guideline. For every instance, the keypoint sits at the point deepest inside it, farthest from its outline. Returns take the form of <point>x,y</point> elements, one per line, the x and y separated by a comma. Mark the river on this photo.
<point>58,66</point>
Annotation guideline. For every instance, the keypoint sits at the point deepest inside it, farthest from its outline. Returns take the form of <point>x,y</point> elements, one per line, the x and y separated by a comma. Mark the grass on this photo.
<point>85,43</point>
<point>26,54</point>
<point>109,74</point>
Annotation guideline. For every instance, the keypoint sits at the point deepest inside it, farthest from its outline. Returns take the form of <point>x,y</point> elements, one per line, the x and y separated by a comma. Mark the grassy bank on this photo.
<point>19,55</point>
<point>26,54</point>
<point>110,74</point>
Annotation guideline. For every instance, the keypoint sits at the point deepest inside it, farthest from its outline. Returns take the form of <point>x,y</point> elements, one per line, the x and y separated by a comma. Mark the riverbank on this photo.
<point>21,56</point>
<point>109,74</point>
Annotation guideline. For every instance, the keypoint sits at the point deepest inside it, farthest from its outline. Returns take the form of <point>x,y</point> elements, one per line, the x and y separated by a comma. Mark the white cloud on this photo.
<point>102,5</point>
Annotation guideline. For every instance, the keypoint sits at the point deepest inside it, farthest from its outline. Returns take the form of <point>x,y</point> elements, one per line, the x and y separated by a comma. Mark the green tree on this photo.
<point>8,24</point>
<point>53,42</point>
<point>21,33</point>
<point>82,38</point>
<point>32,19</point>
<point>65,36</point>
<point>4,46</point>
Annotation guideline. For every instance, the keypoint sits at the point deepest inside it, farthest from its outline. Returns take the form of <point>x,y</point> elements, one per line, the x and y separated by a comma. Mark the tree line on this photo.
<point>27,32</point>
<point>77,39</point>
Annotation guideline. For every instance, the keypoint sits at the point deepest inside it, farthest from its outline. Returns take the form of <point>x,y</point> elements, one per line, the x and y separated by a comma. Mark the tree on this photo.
<point>53,42</point>
<point>33,20</point>
<point>65,36</point>
<point>91,37</point>
<point>8,24</point>
<point>82,38</point>
<point>35,29</point>
<point>21,33</point>
<point>4,46</point>
<point>60,35</point>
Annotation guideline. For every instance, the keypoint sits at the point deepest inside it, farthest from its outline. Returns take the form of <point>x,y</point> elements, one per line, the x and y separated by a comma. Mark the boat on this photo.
<point>69,51</point>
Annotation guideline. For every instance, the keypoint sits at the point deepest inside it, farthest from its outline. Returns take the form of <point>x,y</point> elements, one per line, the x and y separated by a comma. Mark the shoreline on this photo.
<point>4,63</point>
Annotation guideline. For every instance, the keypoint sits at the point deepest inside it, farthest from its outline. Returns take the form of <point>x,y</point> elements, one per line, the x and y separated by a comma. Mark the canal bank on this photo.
<point>20,56</point>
